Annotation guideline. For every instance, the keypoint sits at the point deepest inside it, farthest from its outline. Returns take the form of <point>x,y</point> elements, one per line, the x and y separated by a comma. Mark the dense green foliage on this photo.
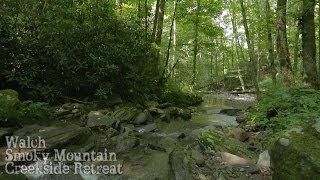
<point>180,96</point>
<point>28,112</point>
<point>282,108</point>
<point>73,48</point>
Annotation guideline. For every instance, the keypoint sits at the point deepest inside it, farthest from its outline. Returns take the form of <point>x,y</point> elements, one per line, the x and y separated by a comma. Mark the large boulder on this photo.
<point>296,154</point>
<point>96,119</point>
<point>220,142</point>
<point>239,134</point>
<point>232,159</point>
<point>70,137</point>
<point>146,128</point>
<point>180,164</point>
<point>142,118</point>
<point>68,110</point>
<point>126,142</point>
<point>109,118</point>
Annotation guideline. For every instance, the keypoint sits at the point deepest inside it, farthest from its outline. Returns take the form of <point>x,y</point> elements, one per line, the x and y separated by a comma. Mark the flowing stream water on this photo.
<point>208,114</point>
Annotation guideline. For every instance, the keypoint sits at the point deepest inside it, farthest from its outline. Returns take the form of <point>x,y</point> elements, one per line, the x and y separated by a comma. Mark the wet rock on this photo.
<point>142,118</point>
<point>156,111</point>
<point>59,137</point>
<point>296,155</point>
<point>241,118</point>
<point>96,119</point>
<point>68,110</point>
<point>168,144</point>
<point>253,169</point>
<point>146,128</point>
<point>70,106</point>
<point>230,112</point>
<point>180,165</point>
<point>108,118</point>
<point>126,141</point>
<point>126,144</point>
<point>111,132</point>
<point>126,127</point>
<point>124,114</point>
<point>232,159</point>
<point>164,105</point>
<point>74,111</point>
<point>61,112</point>
<point>222,120</point>
<point>239,134</point>
<point>264,159</point>
<point>198,157</point>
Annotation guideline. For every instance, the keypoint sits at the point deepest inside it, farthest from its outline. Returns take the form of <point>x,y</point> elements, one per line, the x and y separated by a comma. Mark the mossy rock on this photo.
<point>9,104</point>
<point>297,155</point>
<point>220,142</point>
<point>181,99</point>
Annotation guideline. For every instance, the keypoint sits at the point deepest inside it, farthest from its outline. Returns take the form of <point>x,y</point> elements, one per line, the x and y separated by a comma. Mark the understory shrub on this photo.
<point>73,48</point>
<point>27,112</point>
<point>175,95</point>
<point>282,108</point>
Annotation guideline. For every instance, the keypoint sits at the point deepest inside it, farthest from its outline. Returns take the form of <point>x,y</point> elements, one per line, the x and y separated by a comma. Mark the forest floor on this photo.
<point>156,146</point>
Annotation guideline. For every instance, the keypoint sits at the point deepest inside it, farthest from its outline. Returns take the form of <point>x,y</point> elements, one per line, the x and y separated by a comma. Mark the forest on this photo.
<point>169,89</point>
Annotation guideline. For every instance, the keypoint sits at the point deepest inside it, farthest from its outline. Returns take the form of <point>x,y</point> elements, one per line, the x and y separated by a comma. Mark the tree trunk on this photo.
<point>319,39</point>
<point>195,48</point>
<point>239,53</point>
<point>296,50</point>
<point>216,67</point>
<point>146,25</point>
<point>222,50</point>
<point>160,22</point>
<point>170,41</point>
<point>159,29</point>
<point>211,68</point>
<point>155,20</point>
<point>308,43</point>
<point>174,43</point>
<point>282,42</point>
<point>270,42</point>
<point>250,47</point>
